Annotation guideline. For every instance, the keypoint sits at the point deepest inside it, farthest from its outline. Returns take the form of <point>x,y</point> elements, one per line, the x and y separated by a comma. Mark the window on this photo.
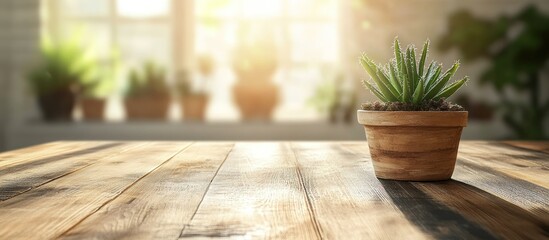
<point>305,33</point>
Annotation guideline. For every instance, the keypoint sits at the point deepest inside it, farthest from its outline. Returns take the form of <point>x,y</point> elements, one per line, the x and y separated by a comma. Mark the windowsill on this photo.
<point>39,132</point>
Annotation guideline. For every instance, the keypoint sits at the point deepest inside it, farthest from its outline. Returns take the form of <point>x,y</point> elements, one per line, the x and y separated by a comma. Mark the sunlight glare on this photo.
<point>143,8</point>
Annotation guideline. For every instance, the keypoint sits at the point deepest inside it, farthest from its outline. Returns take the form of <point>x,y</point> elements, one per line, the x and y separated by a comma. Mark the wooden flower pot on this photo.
<point>194,107</point>
<point>147,107</point>
<point>256,101</point>
<point>93,108</point>
<point>413,146</point>
<point>57,105</point>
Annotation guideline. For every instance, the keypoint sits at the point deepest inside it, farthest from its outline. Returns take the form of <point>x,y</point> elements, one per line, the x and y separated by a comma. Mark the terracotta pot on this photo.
<point>256,101</point>
<point>194,107</point>
<point>93,108</point>
<point>147,107</point>
<point>57,105</point>
<point>413,146</point>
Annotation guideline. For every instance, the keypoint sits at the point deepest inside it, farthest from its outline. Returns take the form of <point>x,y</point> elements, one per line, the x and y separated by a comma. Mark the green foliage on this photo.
<point>62,65</point>
<point>106,75</point>
<point>518,50</point>
<point>148,81</point>
<point>404,79</point>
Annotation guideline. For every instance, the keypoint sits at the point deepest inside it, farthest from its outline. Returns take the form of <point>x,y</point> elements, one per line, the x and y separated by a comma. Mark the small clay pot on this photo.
<point>93,108</point>
<point>147,107</point>
<point>57,105</point>
<point>256,101</point>
<point>413,146</point>
<point>194,107</point>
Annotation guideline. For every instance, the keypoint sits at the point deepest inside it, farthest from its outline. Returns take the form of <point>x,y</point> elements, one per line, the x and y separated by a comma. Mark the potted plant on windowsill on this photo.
<point>93,99</point>
<point>148,97</point>
<point>57,78</point>
<point>414,133</point>
<point>193,99</point>
<point>256,96</point>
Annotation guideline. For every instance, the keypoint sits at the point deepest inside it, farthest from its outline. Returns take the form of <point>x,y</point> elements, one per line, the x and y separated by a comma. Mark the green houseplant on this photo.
<point>148,96</point>
<point>94,94</point>
<point>414,133</point>
<point>517,48</point>
<point>193,100</point>
<point>64,68</point>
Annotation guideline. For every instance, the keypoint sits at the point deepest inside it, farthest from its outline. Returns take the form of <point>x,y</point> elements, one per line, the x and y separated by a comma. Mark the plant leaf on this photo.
<point>423,57</point>
<point>374,90</point>
<point>451,89</point>
<point>372,70</point>
<point>418,93</point>
<point>394,77</point>
<point>398,53</point>
<point>439,85</point>
<point>384,80</point>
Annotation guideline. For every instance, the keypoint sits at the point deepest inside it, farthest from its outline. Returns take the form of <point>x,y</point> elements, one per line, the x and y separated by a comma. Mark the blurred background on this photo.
<point>255,70</point>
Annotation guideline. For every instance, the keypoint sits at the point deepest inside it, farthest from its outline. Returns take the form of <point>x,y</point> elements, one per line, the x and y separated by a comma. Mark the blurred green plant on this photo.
<point>333,99</point>
<point>63,65</point>
<point>150,80</point>
<point>518,49</point>
<point>406,80</point>
<point>103,83</point>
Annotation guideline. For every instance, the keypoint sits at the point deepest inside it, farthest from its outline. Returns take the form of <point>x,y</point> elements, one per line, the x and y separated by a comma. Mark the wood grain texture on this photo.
<point>57,206</point>
<point>266,190</point>
<point>26,155</point>
<point>23,176</point>
<point>413,119</point>
<point>529,166</point>
<point>256,194</point>
<point>413,146</point>
<point>346,197</point>
<point>531,145</point>
<point>160,205</point>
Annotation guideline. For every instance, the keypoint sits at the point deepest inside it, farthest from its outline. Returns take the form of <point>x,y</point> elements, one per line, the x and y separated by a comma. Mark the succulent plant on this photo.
<point>406,80</point>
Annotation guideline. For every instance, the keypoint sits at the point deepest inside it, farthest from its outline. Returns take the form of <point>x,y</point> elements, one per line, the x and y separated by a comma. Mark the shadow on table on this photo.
<point>455,210</point>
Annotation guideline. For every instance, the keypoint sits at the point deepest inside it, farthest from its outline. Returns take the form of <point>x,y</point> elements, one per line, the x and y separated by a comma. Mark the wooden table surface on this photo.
<point>280,190</point>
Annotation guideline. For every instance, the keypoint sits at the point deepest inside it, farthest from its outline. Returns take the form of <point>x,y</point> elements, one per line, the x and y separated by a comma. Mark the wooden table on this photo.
<point>281,190</point>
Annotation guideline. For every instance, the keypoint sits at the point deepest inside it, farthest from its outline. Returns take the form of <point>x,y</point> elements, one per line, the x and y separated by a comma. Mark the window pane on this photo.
<point>216,8</point>
<point>140,42</point>
<point>313,8</point>
<point>96,36</point>
<point>85,8</point>
<point>314,39</point>
<point>260,9</point>
<point>143,8</point>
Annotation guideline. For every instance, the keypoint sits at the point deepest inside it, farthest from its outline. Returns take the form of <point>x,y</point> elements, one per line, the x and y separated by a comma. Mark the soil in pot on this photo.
<point>93,108</point>
<point>57,105</point>
<point>194,107</point>
<point>413,146</point>
<point>256,101</point>
<point>147,107</point>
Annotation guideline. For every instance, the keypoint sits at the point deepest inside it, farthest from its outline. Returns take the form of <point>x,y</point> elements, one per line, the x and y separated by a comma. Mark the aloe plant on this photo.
<point>406,80</point>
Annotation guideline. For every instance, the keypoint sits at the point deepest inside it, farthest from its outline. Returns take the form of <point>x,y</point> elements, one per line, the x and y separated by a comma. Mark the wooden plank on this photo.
<point>542,146</point>
<point>24,176</point>
<point>503,219</point>
<point>25,155</point>
<point>504,155</point>
<point>53,208</point>
<point>526,194</point>
<point>489,199</point>
<point>158,206</point>
<point>257,193</point>
<point>524,165</point>
<point>347,199</point>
